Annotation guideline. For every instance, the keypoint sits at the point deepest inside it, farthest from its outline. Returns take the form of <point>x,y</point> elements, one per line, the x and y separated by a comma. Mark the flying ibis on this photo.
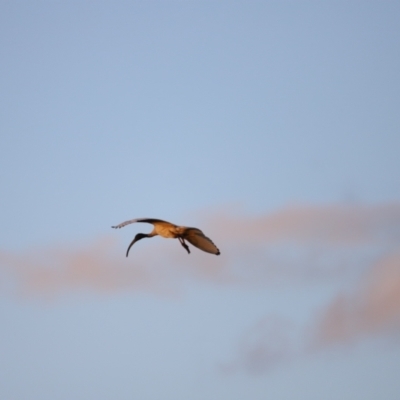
<point>167,230</point>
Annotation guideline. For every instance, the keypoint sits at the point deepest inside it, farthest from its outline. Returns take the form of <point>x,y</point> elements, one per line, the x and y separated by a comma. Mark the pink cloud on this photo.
<point>95,267</point>
<point>335,224</point>
<point>254,251</point>
<point>371,308</point>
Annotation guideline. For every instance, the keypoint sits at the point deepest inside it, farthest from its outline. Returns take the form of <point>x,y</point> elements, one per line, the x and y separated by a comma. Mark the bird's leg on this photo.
<point>185,246</point>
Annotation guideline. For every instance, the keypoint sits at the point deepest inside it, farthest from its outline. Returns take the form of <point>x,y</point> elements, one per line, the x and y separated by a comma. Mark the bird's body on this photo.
<point>170,231</point>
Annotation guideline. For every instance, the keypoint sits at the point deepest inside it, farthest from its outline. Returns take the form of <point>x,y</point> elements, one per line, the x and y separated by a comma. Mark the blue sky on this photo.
<point>273,126</point>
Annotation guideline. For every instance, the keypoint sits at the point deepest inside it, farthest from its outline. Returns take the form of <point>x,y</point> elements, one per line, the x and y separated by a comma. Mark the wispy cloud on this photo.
<point>96,267</point>
<point>308,243</point>
<point>300,244</point>
<point>335,224</point>
<point>295,243</point>
<point>371,308</point>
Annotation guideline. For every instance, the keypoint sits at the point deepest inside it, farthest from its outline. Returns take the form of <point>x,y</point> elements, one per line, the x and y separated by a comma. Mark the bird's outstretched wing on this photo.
<point>148,220</point>
<point>197,238</point>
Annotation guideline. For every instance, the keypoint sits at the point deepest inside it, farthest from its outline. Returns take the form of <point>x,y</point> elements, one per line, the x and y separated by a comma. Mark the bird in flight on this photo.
<point>167,230</point>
